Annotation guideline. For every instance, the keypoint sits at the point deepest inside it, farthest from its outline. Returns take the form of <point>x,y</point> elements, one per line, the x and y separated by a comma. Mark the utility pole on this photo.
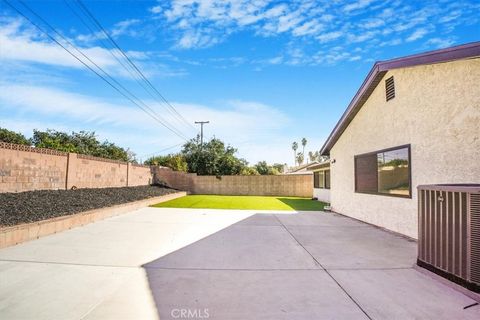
<point>201,123</point>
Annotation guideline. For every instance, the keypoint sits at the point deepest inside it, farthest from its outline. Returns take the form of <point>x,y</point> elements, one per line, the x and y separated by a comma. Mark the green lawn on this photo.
<point>243,202</point>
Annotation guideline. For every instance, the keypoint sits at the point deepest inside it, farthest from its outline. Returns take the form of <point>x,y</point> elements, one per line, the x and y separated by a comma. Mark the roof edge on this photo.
<point>464,51</point>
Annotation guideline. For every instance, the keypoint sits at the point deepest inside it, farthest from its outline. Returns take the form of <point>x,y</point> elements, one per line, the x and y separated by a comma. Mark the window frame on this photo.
<point>322,179</point>
<point>316,180</point>
<point>327,186</point>
<point>405,146</point>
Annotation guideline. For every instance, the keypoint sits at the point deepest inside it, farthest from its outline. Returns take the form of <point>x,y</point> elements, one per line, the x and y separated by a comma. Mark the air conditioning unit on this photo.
<point>449,232</point>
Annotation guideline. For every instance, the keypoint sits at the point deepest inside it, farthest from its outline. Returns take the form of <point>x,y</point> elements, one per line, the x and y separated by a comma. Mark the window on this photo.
<point>327,179</point>
<point>385,172</point>
<point>389,88</point>
<point>321,179</point>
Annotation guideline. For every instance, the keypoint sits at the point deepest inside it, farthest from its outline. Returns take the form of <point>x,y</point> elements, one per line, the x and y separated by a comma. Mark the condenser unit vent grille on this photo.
<point>475,237</point>
<point>449,232</point>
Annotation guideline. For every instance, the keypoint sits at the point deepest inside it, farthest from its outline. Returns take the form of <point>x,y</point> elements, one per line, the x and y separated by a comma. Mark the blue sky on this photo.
<point>265,73</point>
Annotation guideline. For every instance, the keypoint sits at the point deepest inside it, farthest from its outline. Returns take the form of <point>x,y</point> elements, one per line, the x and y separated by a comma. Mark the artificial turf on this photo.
<point>243,202</point>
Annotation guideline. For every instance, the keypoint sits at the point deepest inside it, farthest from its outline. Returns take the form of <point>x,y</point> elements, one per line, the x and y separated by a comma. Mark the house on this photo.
<point>301,169</point>
<point>321,181</point>
<point>415,120</point>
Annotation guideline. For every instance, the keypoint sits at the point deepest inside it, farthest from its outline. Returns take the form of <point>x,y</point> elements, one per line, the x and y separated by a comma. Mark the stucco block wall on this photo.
<point>437,110</point>
<point>23,168</point>
<point>139,175</point>
<point>278,185</point>
<point>275,185</point>
<point>94,172</point>
<point>174,179</point>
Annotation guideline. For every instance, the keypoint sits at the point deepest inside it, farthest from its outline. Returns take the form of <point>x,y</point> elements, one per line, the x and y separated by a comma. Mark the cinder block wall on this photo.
<point>277,185</point>
<point>24,168</point>
<point>139,175</point>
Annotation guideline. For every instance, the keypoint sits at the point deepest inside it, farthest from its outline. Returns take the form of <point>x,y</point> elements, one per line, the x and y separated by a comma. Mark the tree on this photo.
<point>264,169</point>
<point>13,137</point>
<point>280,167</point>
<point>304,143</point>
<point>295,147</point>
<point>175,162</point>
<point>300,158</point>
<point>82,142</point>
<point>249,171</point>
<point>212,158</point>
<point>314,156</point>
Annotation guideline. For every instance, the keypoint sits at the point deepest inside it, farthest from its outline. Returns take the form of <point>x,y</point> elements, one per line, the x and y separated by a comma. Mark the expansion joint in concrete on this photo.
<point>326,271</point>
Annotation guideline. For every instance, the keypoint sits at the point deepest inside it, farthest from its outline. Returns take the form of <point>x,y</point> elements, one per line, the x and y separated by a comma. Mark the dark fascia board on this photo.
<point>469,50</point>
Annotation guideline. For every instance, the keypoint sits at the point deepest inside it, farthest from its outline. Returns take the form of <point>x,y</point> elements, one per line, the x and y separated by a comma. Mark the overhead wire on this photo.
<point>98,67</point>
<point>171,108</point>
<point>127,67</point>
<point>156,118</point>
<point>160,151</point>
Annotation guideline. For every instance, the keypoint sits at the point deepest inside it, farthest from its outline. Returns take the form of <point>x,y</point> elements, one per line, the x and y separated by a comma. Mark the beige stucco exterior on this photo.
<point>437,110</point>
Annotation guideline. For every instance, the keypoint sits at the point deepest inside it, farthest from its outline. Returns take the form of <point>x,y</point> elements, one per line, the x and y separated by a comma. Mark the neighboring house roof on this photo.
<point>380,68</point>
<point>322,165</point>
<point>302,169</point>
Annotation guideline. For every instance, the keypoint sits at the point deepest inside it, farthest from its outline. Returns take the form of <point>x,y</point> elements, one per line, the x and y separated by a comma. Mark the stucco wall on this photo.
<point>437,111</point>
<point>322,194</point>
<point>278,185</point>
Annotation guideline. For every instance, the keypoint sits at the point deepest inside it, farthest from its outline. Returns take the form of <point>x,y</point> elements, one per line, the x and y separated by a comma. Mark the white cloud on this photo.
<point>373,23</point>
<point>125,27</point>
<point>360,4</point>
<point>156,9</point>
<point>276,60</point>
<point>417,34</point>
<point>204,23</point>
<point>439,43</point>
<point>261,124</point>
<point>22,44</point>
<point>329,36</point>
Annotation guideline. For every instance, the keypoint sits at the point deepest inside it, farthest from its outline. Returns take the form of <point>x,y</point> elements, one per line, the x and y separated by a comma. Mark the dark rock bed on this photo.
<point>31,206</point>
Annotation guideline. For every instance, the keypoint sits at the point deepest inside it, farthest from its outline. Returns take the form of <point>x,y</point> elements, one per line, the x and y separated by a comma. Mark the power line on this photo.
<point>127,67</point>
<point>140,73</point>
<point>89,67</point>
<point>159,118</point>
<point>163,150</point>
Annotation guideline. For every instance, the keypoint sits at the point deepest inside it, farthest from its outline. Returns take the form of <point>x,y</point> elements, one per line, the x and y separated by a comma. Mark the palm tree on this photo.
<point>304,143</point>
<point>295,147</point>
<point>300,158</point>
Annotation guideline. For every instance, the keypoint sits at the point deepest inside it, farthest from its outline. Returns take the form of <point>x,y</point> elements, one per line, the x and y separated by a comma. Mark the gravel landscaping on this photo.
<point>34,206</point>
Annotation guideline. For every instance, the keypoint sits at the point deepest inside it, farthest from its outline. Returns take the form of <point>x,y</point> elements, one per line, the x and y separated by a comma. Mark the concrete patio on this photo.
<point>222,264</point>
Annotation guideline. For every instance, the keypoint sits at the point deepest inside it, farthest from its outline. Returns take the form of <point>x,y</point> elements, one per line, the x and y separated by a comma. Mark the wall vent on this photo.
<point>449,232</point>
<point>390,88</point>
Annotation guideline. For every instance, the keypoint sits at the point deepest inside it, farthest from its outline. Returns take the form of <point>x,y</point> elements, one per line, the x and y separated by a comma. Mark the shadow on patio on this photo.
<point>299,266</point>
